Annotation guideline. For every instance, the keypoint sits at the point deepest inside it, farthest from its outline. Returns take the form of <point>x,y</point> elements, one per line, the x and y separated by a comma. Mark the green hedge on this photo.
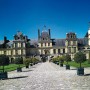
<point>74,64</point>
<point>11,67</point>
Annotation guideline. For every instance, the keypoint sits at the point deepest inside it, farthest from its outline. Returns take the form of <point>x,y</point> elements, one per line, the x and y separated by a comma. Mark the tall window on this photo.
<point>23,51</point>
<point>8,52</point>
<point>19,52</point>
<point>19,44</point>
<point>69,50</point>
<point>45,44</point>
<point>13,52</point>
<point>48,44</point>
<point>54,51</point>
<point>59,51</point>
<point>74,42</point>
<point>69,43</point>
<point>41,44</point>
<point>0,52</point>
<point>23,44</point>
<point>74,49</point>
<point>15,45</point>
<point>63,50</point>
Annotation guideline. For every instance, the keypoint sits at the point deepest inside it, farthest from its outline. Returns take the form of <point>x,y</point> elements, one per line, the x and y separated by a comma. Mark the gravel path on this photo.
<point>46,76</point>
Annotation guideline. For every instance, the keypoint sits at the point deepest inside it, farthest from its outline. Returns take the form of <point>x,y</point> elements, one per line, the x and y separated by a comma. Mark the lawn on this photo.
<point>11,67</point>
<point>74,64</point>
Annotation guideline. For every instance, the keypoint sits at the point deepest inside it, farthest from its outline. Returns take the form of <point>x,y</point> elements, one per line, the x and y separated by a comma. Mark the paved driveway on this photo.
<point>46,76</point>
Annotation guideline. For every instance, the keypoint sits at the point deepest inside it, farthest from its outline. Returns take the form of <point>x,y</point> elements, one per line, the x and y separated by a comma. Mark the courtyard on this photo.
<point>46,76</point>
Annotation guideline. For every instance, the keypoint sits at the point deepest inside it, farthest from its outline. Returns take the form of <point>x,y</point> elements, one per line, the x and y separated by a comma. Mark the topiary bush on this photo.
<point>55,60</point>
<point>35,60</point>
<point>61,60</point>
<point>27,62</point>
<point>4,60</point>
<point>80,58</point>
<point>19,60</point>
<point>67,58</point>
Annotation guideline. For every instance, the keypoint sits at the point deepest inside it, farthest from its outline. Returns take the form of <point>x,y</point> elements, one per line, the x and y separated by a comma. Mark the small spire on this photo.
<point>44,28</point>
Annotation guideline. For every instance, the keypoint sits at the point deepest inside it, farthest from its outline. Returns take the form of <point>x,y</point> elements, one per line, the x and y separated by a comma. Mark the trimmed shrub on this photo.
<point>27,62</point>
<point>4,60</point>
<point>80,58</point>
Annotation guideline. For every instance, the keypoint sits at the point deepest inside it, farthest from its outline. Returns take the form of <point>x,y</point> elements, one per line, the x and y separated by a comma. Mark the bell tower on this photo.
<point>71,44</point>
<point>44,41</point>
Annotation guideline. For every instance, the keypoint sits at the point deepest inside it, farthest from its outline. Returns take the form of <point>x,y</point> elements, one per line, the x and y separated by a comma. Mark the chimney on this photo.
<point>49,33</point>
<point>5,39</point>
<point>38,33</point>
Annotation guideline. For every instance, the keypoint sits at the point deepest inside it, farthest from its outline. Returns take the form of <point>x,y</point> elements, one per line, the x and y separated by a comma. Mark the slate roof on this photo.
<point>82,41</point>
<point>56,42</point>
<point>59,42</point>
<point>10,43</point>
<point>86,34</point>
<point>33,43</point>
<point>1,42</point>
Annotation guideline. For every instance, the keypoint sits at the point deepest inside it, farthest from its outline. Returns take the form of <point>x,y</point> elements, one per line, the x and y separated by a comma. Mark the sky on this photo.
<point>27,16</point>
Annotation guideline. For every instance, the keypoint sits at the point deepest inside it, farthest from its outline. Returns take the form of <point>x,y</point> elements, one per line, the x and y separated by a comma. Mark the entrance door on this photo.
<point>46,52</point>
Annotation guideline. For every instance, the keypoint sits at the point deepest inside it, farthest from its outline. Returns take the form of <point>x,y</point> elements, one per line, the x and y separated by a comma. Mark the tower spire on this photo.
<point>49,33</point>
<point>44,28</point>
<point>38,33</point>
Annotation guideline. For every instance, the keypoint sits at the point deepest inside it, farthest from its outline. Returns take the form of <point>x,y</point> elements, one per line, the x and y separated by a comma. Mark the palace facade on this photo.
<point>23,47</point>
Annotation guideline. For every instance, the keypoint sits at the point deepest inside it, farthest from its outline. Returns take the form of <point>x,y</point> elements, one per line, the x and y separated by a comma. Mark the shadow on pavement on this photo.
<point>18,77</point>
<point>33,67</point>
<point>87,74</point>
<point>27,71</point>
<point>73,69</point>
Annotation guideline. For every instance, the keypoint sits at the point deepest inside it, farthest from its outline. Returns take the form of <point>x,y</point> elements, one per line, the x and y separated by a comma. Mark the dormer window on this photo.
<point>71,36</point>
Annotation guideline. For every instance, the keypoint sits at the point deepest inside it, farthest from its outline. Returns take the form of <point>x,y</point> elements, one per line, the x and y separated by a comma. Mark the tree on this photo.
<point>34,60</point>
<point>55,60</point>
<point>31,60</point>
<point>80,58</point>
<point>67,58</point>
<point>19,61</point>
<point>89,57</point>
<point>27,61</point>
<point>4,60</point>
<point>61,59</point>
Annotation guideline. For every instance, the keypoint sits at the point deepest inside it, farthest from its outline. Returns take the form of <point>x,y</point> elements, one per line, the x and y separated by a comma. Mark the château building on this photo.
<point>23,47</point>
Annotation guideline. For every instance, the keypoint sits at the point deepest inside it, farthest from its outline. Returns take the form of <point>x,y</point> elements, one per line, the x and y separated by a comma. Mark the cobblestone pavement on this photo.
<point>46,76</point>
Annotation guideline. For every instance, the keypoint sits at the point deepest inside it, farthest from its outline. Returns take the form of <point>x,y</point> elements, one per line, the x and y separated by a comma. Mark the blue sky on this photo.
<point>61,16</point>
